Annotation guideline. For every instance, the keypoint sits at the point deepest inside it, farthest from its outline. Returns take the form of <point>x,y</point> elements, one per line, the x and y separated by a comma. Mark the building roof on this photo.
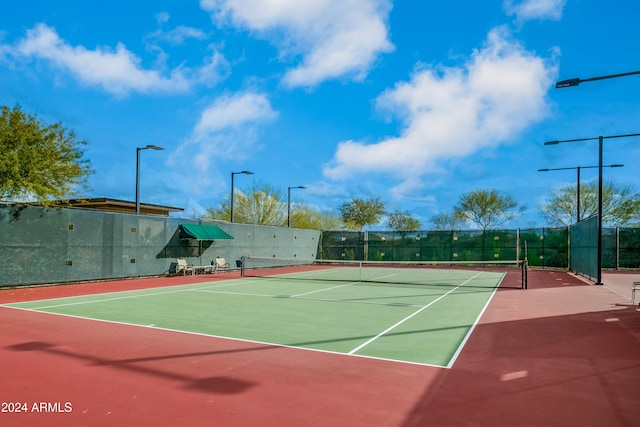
<point>116,205</point>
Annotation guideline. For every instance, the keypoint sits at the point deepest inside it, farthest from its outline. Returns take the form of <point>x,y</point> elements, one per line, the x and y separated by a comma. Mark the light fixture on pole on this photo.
<point>138,150</point>
<point>576,81</point>
<point>578,181</point>
<point>600,149</point>
<point>232,175</point>
<point>289,203</point>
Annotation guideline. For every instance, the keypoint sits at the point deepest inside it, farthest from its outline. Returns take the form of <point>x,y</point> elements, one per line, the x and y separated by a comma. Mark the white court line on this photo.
<point>223,284</point>
<point>183,288</point>
<point>473,327</point>
<point>305,299</point>
<point>366,343</point>
<point>102,300</point>
<point>340,286</point>
<point>233,293</point>
<point>254,341</point>
<point>387,304</point>
<point>202,334</point>
<point>324,289</point>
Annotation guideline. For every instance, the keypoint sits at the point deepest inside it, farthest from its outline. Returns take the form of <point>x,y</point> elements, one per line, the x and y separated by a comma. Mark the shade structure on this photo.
<point>203,232</point>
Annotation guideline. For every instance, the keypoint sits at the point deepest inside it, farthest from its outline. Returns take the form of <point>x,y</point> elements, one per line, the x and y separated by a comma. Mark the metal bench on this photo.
<point>184,268</point>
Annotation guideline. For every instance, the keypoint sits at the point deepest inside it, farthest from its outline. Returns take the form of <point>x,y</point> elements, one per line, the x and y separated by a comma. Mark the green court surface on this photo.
<point>424,324</point>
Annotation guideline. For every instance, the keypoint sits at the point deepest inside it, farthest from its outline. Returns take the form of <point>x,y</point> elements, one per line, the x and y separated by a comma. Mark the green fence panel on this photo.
<point>584,247</point>
<point>629,248</point>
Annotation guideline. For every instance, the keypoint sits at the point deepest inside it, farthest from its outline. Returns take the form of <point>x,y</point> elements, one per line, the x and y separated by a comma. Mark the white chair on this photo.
<point>634,287</point>
<point>221,264</point>
<point>184,268</point>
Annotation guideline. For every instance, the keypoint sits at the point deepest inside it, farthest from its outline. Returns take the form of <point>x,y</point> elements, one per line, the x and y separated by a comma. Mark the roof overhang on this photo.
<point>203,232</point>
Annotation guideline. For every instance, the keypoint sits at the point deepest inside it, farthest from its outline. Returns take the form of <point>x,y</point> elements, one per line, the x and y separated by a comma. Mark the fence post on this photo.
<point>569,247</point>
<point>617,248</point>
<point>366,246</point>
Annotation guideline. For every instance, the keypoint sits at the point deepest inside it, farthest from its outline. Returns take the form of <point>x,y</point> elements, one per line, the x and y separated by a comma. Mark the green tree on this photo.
<point>265,205</point>
<point>39,161</point>
<point>360,212</point>
<point>486,208</point>
<point>445,221</point>
<point>402,221</point>
<point>262,204</point>
<point>303,216</point>
<point>620,205</point>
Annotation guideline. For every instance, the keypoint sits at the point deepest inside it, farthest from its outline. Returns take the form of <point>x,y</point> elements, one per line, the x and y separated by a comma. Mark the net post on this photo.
<point>242,265</point>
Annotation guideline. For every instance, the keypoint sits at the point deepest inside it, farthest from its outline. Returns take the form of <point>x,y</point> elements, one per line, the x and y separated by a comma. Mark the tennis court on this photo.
<point>405,314</point>
<point>570,347</point>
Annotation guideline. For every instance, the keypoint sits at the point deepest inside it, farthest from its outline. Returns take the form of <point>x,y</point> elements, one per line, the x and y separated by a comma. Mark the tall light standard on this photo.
<point>576,82</point>
<point>600,144</point>
<point>138,150</point>
<point>578,181</point>
<point>289,203</point>
<point>232,191</point>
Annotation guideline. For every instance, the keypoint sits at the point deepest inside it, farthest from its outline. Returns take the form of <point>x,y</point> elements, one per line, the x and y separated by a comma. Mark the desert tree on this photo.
<point>39,161</point>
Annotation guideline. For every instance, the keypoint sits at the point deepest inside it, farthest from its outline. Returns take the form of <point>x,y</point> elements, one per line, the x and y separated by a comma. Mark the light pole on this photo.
<point>138,150</point>
<point>578,181</point>
<point>600,144</point>
<point>289,203</point>
<point>576,81</point>
<point>232,174</point>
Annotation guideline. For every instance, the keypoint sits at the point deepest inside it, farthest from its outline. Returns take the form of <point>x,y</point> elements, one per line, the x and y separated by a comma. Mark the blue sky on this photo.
<point>415,102</point>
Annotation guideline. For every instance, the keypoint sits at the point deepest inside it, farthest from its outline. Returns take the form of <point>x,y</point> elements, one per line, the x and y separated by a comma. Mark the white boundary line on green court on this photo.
<point>244,294</point>
<point>473,327</point>
<point>98,300</point>
<point>92,301</point>
<point>324,289</point>
<point>200,334</point>
<point>415,313</point>
<point>303,298</point>
<point>195,287</point>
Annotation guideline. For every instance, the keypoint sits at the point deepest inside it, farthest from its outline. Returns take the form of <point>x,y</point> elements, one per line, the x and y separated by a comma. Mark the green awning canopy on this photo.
<point>203,232</point>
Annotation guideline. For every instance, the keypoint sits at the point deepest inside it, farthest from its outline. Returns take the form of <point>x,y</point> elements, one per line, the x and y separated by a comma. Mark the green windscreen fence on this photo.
<point>584,247</point>
<point>542,247</point>
<point>40,245</point>
<point>626,250</point>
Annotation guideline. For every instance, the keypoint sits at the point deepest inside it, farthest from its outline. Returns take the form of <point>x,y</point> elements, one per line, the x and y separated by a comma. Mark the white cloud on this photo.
<point>179,35</point>
<point>162,17</point>
<point>451,113</point>
<point>233,112</point>
<point>226,129</point>
<point>116,71</point>
<point>334,38</point>
<point>527,10</point>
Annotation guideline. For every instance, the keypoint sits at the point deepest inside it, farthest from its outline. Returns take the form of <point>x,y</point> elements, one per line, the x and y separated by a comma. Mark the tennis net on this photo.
<point>510,273</point>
